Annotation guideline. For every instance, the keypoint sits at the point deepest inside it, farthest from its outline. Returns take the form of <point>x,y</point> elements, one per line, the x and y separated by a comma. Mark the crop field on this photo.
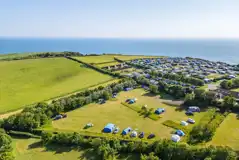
<point>24,82</point>
<point>227,133</point>
<point>107,64</point>
<point>122,116</point>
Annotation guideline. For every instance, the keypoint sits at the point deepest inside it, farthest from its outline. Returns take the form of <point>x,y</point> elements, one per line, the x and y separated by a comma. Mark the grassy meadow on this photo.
<point>25,82</point>
<point>122,116</point>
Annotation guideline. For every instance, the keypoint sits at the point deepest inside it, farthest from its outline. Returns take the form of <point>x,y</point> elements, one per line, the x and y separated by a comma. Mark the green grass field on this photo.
<point>237,90</point>
<point>122,116</point>
<point>108,64</point>
<point>227,133</point>
<point>32,149</point>
<point>110,58</point>
<point>25,82</point>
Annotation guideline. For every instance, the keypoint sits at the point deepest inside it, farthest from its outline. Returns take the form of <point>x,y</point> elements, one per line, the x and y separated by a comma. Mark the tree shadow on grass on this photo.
<point>89,154</point>
<point>129,156</point>
<point>59,149</point>
<point>38,144</point>
<point>148,94</point>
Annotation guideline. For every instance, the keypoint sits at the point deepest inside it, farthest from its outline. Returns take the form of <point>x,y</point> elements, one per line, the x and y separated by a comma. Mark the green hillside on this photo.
<point>28,81</point>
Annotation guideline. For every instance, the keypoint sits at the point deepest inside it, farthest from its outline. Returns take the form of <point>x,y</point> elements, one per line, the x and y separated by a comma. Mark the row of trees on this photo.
<point>33,117</point>
<point>6,150</point>
<point>229,84</point>
<point>43,55</point>
<point>162,149</point>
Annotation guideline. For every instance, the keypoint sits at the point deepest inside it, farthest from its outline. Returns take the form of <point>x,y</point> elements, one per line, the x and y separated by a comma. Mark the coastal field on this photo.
<point>122,116</point>
<point>24,82</point>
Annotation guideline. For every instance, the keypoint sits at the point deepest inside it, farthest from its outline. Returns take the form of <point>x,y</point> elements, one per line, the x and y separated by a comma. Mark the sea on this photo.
<point>225,50</point>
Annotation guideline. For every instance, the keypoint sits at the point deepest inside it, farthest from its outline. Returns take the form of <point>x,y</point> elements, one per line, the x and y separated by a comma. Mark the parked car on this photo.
<point>189,113</point>
<point>151,136</point>
<point>141,135</point>
<point>191,121</point>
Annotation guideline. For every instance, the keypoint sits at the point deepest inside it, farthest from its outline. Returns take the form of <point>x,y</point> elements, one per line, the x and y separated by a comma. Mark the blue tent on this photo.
<point>126,131</point>
<point>159,110</point>
<point>180,133</point>
<point>109,128</point>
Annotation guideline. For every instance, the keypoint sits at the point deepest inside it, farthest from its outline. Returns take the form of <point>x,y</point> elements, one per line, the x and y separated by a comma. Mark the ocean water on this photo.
<point>216,50</point>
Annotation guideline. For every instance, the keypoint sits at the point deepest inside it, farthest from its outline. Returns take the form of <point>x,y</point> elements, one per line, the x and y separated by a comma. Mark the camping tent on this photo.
<point>126,131</point>
<point>134,134</point>
<point>109,128</point>
<point>183,123</point>
<point>159,110</point>
<point>175,138</point>
<point>180,133</point>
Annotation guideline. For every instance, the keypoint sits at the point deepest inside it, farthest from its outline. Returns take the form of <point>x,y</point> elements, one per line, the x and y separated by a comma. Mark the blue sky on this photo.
<point>120,18</point>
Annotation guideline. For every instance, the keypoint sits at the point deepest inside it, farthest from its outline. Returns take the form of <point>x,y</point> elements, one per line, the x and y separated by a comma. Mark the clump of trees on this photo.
<point>176,91</point>
<point>33,117</point>
<point>162,149</point>
<point>230,84</point>
<point>6,150</point>
<point>203,98</point>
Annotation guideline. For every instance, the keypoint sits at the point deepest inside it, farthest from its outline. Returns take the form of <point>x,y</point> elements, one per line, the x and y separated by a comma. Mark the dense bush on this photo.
<point>6,147</point>
<point>33,117</point>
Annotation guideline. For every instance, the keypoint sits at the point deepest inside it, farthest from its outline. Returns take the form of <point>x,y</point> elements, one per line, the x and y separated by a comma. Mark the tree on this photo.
<point>151,156</point>
<point>106,95</point>
<point>153,89</point>
<point>229,102</point>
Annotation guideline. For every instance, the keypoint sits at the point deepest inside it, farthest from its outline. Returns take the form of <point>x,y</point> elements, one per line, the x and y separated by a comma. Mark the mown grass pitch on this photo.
<point>115,112</point>
<point>227,133</point>
<point>25,82</point>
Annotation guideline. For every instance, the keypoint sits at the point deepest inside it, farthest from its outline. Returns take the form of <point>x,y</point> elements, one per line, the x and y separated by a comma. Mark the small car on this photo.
<point>189,113</point>
<point>191,121</point>
<point>151,136</point>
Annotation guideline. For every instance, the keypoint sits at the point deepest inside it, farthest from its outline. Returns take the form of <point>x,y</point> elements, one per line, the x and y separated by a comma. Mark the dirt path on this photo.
<point>5,115</point>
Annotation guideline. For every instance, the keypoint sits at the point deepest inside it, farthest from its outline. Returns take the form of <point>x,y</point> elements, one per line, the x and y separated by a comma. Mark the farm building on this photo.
<point>175,138</point>
<point>126,131</point>
<point>159,110</point>
<point>109,128</point>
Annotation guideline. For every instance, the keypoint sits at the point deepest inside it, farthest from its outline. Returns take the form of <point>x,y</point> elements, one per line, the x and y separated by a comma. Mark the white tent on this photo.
<point>175,138</point>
